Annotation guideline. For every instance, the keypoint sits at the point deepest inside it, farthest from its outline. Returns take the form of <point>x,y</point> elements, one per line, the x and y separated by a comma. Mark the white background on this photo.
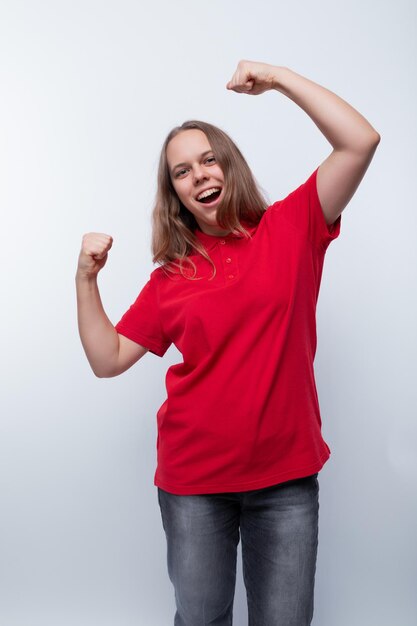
<point>89,90</point>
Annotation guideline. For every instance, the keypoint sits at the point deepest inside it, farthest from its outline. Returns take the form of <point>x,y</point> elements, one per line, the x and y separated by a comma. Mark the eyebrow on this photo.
<point>203,154</point>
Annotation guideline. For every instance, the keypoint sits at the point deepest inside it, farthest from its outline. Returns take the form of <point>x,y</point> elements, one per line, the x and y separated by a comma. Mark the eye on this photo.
<point>211,159</point>
<point>180,173</point>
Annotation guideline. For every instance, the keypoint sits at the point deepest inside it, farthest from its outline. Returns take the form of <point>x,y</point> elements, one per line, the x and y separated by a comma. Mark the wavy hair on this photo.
<point>173,225</point>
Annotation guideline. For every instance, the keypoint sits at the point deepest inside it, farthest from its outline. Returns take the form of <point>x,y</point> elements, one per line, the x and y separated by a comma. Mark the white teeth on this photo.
<point>208,192</point>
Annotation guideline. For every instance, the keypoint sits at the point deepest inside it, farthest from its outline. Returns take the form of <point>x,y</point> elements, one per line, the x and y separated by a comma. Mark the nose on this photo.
<point>199,174</point>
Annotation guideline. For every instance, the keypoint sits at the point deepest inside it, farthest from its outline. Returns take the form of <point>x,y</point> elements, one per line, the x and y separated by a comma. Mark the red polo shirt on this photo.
<point>242,410</point>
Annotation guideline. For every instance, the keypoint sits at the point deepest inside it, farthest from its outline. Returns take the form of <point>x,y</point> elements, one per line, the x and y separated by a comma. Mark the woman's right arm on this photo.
<point>108,353</point>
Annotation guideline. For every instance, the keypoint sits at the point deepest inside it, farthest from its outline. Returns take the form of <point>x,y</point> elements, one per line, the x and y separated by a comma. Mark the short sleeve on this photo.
<point>142,321</point>
<point>303,209</point>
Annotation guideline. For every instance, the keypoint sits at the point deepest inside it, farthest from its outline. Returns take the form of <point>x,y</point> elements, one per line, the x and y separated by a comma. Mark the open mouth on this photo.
<point>211,197</point>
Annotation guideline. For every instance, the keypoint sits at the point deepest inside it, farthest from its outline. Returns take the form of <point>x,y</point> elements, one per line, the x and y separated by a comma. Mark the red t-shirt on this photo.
<point>242,410</point>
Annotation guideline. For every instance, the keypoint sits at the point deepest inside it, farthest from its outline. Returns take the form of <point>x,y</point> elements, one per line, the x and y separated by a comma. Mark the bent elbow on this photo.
<point>104,373</point>
<point>98,374</point>
<point>377,138</point>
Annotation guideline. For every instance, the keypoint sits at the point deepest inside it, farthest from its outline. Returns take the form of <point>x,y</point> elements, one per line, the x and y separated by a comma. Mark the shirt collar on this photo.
<point>209,241</point>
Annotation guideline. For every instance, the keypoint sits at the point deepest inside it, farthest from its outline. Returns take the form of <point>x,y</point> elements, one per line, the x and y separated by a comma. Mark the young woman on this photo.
<point>239,435</point>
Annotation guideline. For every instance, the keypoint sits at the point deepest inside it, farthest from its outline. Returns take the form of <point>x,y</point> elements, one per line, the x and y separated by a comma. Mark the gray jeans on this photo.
<point>279,530</point>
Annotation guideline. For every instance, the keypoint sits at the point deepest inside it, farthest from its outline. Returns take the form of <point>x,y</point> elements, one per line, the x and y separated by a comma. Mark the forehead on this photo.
<point>186,146</point>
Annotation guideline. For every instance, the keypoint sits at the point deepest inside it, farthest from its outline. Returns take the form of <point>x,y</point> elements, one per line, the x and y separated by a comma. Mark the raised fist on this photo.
<point>252,78</point>
<point>93,254</point>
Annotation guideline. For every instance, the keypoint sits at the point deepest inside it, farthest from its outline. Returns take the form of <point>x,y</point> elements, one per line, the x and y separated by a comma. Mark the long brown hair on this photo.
<point>173,225</point>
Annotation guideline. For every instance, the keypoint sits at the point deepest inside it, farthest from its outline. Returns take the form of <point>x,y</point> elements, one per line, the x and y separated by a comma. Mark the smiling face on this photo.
<point>194,174</point>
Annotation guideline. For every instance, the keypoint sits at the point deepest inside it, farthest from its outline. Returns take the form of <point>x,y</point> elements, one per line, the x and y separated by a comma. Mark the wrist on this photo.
<point>279,75</point>
<point>85,278</point>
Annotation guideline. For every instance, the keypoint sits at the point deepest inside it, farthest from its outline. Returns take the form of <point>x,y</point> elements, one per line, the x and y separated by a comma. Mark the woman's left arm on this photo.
<point>353,138</point>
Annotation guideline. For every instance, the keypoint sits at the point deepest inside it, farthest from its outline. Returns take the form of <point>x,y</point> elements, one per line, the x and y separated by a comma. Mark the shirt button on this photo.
<point>231,276</point>
<point>228,260</point>
<point>222,241</point>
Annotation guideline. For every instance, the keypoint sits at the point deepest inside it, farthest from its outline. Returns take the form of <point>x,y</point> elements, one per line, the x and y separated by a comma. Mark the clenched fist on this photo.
<point>253,78</point>
<point>93,254</point>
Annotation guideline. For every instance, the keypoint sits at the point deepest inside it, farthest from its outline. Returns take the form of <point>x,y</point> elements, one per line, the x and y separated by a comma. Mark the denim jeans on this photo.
<point>279,530</point>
